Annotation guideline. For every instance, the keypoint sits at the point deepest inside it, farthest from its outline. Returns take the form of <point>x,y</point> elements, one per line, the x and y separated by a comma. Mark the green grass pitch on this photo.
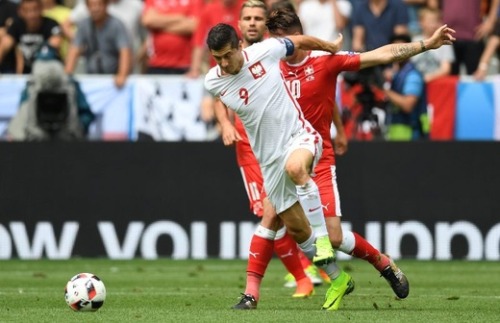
<point>204,290</point>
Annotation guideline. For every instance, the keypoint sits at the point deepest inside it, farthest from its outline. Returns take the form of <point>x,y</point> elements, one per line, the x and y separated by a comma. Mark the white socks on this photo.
<point>348,242</point>
<point>265,233</point>
<point>311,203</point>
<point>308,247</point>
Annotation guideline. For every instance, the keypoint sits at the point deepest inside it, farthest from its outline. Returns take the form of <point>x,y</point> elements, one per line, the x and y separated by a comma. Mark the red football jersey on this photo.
<point>317,76</point>
<point>214,13</point>
<point>168,49</point>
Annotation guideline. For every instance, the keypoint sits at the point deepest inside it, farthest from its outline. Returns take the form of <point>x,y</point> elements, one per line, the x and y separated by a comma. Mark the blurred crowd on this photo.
<point>167,37</point>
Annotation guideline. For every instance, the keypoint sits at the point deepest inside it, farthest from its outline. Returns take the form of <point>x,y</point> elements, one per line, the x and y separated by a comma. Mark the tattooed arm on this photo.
<point>403,51</point>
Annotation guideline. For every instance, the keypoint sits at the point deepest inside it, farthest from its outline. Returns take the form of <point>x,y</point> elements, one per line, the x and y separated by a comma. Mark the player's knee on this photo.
<point>297,172</point>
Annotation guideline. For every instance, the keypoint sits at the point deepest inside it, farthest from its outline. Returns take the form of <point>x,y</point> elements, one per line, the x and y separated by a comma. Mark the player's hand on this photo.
<point>442,36</point>
<point>480,74</point>
<point>192,73</point>
<point>337,44</point>
<point>120,81</point>
<point>340,143</point>
<point>229,134</point>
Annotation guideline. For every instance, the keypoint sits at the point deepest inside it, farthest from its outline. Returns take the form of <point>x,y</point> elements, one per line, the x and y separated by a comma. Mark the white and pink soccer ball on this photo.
<point>85,292</point>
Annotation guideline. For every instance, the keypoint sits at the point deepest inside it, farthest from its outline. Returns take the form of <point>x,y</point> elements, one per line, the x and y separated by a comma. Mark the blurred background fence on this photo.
<point>167,108</point>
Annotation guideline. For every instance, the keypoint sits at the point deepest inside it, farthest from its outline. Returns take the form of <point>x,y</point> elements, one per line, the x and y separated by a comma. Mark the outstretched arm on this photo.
<point>312,43</point>
<point>402,51</point>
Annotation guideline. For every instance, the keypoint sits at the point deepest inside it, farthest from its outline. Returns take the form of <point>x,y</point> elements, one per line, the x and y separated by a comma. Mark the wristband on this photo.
<point>422,46</point>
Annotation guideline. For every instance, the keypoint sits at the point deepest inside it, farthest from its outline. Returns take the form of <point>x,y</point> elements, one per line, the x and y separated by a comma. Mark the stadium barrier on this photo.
<point>167,108</point>
<point>426,200</point>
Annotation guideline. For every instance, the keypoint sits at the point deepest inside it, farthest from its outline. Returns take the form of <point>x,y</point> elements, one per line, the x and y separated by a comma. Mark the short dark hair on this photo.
<point>283,4</point>
<point>284,20</point>
<point>221,35</point>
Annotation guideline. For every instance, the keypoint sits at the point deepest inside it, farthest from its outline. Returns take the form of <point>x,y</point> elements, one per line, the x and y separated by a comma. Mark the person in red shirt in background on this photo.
<point>171,24</point>
<point>225,11</point>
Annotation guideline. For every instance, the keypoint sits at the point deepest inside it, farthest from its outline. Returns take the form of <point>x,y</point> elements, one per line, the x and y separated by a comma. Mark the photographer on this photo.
<point>407,99</point>
<point>52,107</point>
<point>363,103</point>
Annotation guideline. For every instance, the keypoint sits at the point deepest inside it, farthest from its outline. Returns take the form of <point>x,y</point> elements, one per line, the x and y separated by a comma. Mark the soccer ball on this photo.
<point>85,292</point>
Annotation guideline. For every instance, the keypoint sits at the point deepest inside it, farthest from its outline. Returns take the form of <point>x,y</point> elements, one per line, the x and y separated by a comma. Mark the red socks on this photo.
<point>261,251</point>
<point>288,252</point>
<point>364,250</point>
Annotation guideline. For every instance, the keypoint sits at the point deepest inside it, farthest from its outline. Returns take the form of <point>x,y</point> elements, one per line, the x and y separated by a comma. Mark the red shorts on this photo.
<point>252,178</point>
<point>326,179</point>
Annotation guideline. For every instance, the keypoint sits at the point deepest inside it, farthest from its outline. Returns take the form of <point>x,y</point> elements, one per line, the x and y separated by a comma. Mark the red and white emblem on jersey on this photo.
<point>257,70</point>
<point>309,72</point>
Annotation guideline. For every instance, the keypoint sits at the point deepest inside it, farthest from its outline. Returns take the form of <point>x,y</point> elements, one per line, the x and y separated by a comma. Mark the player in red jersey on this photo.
<point>311,78</point>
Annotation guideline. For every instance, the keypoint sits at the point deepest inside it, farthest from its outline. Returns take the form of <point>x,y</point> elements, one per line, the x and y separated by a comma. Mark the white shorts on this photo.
<point>280,189</point>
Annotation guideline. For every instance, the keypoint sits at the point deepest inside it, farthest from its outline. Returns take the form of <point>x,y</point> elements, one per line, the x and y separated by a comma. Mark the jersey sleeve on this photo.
<point>53,28</point>
<point>209,82</point>
<point>121,36</point>
<point>81,35</point>
<point>344,61</point>
<point>414,84</point>
<point>280,47</point>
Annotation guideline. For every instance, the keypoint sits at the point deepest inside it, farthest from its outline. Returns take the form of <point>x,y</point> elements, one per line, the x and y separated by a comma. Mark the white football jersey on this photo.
<point>260,98</point>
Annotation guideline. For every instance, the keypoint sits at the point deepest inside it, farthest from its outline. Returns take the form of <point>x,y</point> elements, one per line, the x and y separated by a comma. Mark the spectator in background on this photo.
<point>104,41</point>
<point>490,50</point>
<point>225,11</point>
<point>60,13</point>
<point>127,11</point>
<point>29,33</point>
<point>374,21</point>
<point>324,19</point>
<point>282,4</point>
<point>270,3</point>
<point>414,6</point>
<point>407,99</point>
<point>8,12</point>
<point>434,63</point>
<point>171,24</point>
<point>472,27</point>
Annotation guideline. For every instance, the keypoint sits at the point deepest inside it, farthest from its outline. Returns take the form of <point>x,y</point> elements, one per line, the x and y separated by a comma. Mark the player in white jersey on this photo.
<point>249,81</point>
